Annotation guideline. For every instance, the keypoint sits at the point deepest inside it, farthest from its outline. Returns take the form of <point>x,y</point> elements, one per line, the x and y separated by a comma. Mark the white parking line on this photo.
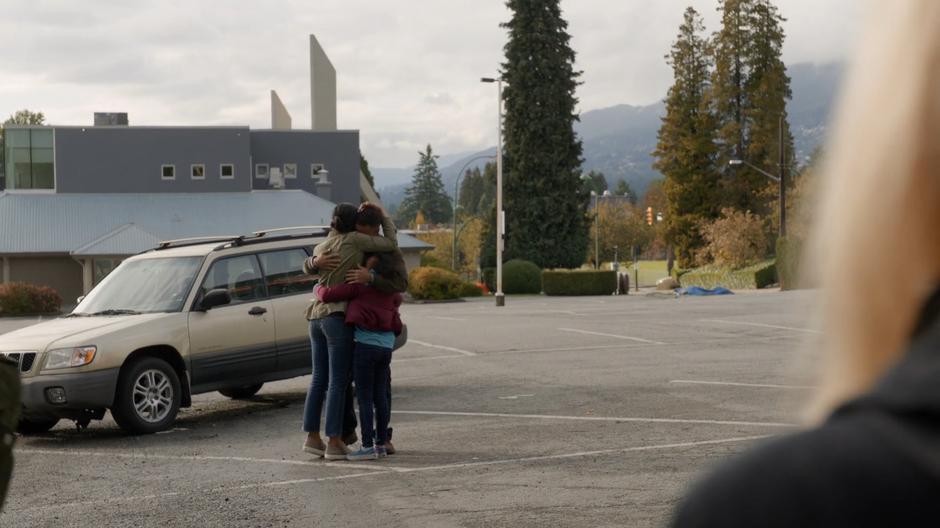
<point>185,458</point>
<point>398,471</point>
<point>441,347</point>
<point>638,339</point>
<point>761,325</point>
<point>736,384</point>
<point>595,418</point>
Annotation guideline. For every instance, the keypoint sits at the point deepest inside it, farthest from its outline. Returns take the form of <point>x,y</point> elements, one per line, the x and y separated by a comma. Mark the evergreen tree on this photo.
<point>545,201</point>
<point>594,181</point>
<point>749,90</point>
<point>364,169</point>
<point>426,193</point>
<point>685,152</point>
<point>471,191</point>
<point>623,189</point>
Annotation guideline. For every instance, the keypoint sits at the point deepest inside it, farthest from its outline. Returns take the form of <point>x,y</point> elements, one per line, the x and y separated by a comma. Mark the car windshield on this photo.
<point>142,286</point>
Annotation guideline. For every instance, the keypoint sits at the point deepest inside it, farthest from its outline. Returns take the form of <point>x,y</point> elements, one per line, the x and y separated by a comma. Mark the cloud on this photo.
<point>408,72</point>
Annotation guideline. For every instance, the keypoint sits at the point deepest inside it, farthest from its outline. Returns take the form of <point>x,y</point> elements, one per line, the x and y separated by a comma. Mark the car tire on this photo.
<point>148,396</point>
<point>35,426</point>
<point>241,393</point>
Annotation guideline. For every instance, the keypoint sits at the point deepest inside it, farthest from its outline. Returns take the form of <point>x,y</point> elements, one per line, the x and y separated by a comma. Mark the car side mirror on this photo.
<point>214,298</point>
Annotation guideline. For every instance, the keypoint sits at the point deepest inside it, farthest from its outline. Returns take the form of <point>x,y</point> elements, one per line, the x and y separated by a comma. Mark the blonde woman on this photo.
<point>873,459</point>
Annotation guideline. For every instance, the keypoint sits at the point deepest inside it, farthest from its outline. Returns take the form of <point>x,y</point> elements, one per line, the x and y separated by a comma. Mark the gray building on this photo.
<point>78,200</point>
<point>123,159</point>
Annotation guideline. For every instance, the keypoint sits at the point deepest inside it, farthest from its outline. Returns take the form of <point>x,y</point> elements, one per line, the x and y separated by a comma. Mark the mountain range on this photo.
<point>618,140</point>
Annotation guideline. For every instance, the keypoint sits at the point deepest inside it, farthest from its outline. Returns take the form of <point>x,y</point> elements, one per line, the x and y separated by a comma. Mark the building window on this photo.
<point>315,169</point>
<point>290,171</point>
<point>168,172</point>
<point>227,171</point>
<point>261,171</point>
<point>197,171</point>
<point>30,158</point>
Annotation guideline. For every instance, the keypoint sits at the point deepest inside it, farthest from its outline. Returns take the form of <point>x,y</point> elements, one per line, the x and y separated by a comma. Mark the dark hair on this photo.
<point>369,215</point>
<point>344,218</point>
<point>386,265</point>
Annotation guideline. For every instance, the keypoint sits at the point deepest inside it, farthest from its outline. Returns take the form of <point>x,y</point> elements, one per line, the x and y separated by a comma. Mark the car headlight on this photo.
<point>70,357</point>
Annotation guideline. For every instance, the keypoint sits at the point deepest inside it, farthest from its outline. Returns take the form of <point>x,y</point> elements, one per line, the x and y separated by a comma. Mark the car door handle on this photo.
<point>257,310</point>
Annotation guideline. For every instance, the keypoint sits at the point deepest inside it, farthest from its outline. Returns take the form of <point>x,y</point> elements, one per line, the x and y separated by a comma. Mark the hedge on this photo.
<point>789,252</point>
<point>427,283</point>
<point>469,289</point>
<point>519,276</point>
<point>752,277</point>
<point>20,298</point>
<point>579,282</point>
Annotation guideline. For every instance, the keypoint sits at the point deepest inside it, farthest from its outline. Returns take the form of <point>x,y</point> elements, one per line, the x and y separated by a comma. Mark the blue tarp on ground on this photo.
<point>695,290</point>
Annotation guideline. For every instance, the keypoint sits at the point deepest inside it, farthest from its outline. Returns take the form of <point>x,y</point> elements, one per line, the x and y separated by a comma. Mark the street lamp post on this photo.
<point>500,214</point>
<point>456,195</point>
<point>781,179</point>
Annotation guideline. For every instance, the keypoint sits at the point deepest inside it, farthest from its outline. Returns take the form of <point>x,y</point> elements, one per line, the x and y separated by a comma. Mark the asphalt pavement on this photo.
<point>590,411</point>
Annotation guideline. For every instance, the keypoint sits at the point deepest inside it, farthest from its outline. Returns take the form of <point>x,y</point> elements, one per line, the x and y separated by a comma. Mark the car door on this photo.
<point>233,343</point>
<point>290,291</point>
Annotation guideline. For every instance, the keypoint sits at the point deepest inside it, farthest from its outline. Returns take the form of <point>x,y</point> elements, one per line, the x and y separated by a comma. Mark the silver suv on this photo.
<point>188,317</point>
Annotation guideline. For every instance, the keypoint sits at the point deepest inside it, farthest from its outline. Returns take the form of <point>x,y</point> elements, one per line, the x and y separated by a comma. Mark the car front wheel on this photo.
<point>148,396</point>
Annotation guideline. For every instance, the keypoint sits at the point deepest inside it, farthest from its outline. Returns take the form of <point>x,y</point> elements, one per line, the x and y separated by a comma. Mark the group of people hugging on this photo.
<point>354,324</point>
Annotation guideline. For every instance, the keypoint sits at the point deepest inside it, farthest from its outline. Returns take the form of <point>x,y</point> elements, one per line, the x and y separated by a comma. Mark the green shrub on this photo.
<point>469,289</point>
<point>521,276</point>
<point>789,252</point>
<point>20,298</point>
<point>434,284</point>
<point>753,277</point>
<point>579,282</point>
<point>430,261</point>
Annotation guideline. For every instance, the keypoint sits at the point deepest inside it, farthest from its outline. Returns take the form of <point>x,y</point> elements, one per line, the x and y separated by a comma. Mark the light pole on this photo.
<point>500,214</point>
<point>456,194</point>
<point>782,180</point>
<point>783,205</point>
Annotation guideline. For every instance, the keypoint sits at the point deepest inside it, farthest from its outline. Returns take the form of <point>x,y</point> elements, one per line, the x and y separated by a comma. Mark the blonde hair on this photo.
<point>877,246</point>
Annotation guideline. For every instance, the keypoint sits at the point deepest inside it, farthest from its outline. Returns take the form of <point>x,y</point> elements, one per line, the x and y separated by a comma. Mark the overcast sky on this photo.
<point>407,71</point>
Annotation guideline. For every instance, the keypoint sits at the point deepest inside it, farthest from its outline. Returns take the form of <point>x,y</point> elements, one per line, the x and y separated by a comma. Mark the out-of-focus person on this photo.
<point>9,417</point>
<point>872,457</point>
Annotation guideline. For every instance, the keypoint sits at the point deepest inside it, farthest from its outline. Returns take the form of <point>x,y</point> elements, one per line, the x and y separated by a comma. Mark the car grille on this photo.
<point>24,360</point>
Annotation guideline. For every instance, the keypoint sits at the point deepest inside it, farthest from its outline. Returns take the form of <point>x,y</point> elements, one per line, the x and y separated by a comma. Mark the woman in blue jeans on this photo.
<point>331,338</point>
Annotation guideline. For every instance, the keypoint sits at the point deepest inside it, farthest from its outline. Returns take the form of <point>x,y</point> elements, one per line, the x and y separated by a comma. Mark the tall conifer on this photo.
<point>544,200</point>
<point>426,193</point>
<point>685,153</point>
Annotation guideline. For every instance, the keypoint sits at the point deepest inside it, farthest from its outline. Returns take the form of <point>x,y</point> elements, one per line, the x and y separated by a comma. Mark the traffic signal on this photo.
<point>649,216</point>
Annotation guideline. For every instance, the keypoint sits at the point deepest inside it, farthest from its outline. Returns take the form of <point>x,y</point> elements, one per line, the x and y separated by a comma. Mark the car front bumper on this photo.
<point>83,391</point>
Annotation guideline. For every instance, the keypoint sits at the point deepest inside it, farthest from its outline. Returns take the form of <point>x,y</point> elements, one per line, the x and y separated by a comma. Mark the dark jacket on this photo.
<point>368,307</point>
<point>874,462</point>
<point>398,275</point>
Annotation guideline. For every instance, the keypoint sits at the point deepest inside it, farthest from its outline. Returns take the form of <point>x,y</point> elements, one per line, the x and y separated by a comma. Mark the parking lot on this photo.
<point>592,411</point>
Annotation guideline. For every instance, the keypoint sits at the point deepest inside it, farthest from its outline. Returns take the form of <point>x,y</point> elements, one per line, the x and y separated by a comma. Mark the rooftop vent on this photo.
<point>110,118</point>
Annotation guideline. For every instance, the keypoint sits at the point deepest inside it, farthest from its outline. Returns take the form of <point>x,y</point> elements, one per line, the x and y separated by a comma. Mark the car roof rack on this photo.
<point>264,236</point>
<point>195,241</point>
<point>264,232</point>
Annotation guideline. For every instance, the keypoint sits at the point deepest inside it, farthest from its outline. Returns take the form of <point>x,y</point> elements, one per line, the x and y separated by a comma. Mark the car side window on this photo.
<point>284,274</point>
<point>241,276</point>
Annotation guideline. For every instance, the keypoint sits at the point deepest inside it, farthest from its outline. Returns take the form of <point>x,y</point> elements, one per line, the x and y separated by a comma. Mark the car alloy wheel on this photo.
<point>153,396</point>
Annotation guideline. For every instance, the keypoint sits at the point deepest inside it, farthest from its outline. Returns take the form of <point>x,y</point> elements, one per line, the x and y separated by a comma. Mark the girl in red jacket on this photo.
<point>375,315</point>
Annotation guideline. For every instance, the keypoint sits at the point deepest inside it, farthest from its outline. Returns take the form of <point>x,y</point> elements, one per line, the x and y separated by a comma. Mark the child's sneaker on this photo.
<point>363,453</point>
<point>381,451</point>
